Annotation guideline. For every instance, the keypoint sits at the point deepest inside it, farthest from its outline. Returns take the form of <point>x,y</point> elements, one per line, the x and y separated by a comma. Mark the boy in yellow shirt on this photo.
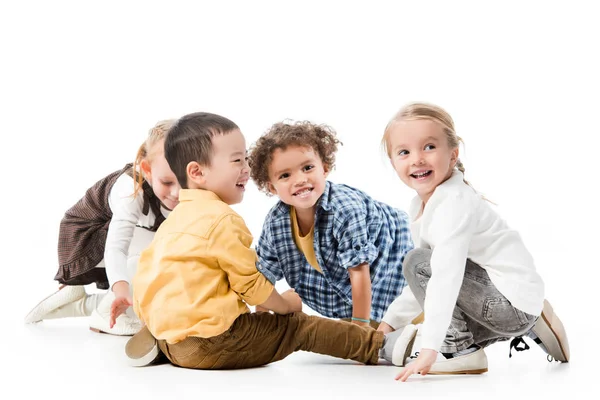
<point>195,281</point>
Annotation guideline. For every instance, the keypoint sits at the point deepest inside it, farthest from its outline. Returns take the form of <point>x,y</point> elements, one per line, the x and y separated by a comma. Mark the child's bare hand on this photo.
<point>261,309</point>
<point>421,365</point>
<point>385,328</point>
<point>118,307</point>
<point>294,301</point>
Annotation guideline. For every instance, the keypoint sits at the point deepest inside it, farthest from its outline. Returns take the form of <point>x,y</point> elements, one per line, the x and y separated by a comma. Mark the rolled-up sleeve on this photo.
<point>231,242</point>
<point>352,233</point>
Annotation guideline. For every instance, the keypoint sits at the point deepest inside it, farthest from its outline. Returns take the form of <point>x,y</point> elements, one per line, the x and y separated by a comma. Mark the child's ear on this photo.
<point>271,188</point>
<point>195,173</point>
<point>326,169</point>
<point>145,166</point>
<point>454,157</point>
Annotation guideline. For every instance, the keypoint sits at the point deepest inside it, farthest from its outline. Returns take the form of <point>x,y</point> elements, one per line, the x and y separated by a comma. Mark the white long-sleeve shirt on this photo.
<point>457,223</point>
<point>127,214</point>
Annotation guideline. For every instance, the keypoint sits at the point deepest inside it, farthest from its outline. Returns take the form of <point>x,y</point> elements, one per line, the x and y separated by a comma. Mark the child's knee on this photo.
<point>413,260</point>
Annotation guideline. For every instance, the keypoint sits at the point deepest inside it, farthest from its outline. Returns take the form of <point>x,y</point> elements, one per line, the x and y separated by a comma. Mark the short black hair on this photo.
<point>190,139</point>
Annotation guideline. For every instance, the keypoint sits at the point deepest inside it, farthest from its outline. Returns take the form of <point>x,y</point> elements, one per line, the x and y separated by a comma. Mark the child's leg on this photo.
<point>482,314</point>
<point>257,339</point>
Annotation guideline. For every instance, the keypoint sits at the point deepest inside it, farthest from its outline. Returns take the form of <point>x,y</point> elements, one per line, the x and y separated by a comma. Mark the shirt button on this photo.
<point>335,315</point>
<point>357,247</point>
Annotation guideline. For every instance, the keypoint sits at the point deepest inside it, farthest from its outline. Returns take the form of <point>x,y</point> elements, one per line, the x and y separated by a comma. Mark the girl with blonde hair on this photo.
<point>102,235</point>
<point>470,272</point>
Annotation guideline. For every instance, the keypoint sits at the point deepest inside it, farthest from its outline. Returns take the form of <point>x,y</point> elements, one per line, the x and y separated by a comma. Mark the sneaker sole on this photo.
<point>139,344</point>
<point>552,334</point>
<point>465,372</point>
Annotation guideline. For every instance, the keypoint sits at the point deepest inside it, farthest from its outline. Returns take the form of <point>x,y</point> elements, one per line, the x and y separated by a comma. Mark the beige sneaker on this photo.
<point>550,334</point>
<point>65,295</point>
<point>472,363</point>
<point>142,349</point>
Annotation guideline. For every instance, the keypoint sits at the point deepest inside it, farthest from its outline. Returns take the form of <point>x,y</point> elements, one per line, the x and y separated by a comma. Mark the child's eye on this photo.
<point>237,160</point>
<point>429,147</point>
<point>167,183</point>
<point>403,152</point>
<point>308,167</point>
<point>284,176</point>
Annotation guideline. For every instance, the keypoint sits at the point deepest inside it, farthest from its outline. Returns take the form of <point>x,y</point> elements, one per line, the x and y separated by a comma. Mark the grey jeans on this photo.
<point>482,314</point>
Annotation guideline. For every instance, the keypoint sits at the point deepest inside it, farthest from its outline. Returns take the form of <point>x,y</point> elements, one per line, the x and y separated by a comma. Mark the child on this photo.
<point>470,272</point>
<point>101,236</point>
<point>194,281</point>
<point>341,250</point>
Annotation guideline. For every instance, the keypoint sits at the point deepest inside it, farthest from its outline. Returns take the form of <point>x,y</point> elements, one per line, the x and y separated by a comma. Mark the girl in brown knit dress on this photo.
<point>101,237</point>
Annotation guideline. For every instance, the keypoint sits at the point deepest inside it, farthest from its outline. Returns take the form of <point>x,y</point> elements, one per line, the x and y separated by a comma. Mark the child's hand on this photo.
<point>118,307</point>
<point>385,328</point>
<point>421,365</point>
<point>293,300</point>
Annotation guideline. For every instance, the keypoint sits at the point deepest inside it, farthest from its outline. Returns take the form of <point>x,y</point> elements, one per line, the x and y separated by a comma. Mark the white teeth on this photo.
<point>420,175</point>
<point>302,192</point>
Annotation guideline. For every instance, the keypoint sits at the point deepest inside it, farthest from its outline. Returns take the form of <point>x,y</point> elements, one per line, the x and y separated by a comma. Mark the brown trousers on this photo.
<point>257,339</point>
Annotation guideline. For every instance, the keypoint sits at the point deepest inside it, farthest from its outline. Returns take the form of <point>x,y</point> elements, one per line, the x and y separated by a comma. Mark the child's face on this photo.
<point>297,176</point>
<point>421,155</point>
<point>228,173</point>
<point>163,180</point>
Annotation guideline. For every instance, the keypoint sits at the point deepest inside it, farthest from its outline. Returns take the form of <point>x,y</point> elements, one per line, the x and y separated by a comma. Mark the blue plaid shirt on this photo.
<point>351,228</point>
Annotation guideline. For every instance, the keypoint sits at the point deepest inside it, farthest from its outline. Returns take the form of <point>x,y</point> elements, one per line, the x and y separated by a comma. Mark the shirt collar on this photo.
<point>197,195</point>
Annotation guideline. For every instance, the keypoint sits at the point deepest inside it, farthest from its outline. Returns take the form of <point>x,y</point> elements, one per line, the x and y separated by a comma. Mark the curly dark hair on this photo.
<point>321,138</point>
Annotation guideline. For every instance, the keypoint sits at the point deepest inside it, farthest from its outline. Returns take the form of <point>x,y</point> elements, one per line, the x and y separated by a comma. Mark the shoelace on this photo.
<point>514,344</point>
<point>415,355</point>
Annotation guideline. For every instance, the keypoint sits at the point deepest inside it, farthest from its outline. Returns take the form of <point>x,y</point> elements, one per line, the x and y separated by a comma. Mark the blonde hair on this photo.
<point>148,149</point>
<point>430,112</point>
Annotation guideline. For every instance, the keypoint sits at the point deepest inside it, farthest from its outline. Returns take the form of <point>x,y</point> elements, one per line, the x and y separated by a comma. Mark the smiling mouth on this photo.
<point>303,191</point>
<point>419,175</point>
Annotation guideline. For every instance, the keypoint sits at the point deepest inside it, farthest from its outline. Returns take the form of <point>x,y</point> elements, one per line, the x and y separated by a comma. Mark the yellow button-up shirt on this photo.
<point>199,272</point>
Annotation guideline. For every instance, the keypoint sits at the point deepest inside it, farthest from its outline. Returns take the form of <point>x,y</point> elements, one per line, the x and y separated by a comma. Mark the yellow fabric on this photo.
<point>199,272</point>
<point>305,243</point>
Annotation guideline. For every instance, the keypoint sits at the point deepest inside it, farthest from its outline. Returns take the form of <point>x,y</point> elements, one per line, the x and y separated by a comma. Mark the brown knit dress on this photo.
<point>83,230</point>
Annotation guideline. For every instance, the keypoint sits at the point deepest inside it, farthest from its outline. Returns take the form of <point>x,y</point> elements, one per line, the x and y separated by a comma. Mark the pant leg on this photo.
<point>257,339</point>
<point>482,314</point>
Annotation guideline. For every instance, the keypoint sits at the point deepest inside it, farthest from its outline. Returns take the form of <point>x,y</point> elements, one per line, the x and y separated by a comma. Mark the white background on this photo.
<point>82,82</point>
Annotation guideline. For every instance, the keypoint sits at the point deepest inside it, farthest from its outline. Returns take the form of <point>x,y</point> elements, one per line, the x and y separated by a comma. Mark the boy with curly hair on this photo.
<point>195,281</point>
<point>338,248</point>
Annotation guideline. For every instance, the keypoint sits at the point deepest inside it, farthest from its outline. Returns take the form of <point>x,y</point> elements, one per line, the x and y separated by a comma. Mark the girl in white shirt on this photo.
<point>102,236</point>
<point>469,272</point>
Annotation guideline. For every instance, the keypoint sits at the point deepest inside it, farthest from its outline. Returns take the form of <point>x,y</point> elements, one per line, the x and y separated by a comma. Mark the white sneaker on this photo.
<point>404,345</point>
<point>125,325</point>
<point>65,295</point>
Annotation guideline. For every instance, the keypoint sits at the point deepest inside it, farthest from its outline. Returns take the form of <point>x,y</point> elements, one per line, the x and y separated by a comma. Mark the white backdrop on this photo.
<point>82,82</point>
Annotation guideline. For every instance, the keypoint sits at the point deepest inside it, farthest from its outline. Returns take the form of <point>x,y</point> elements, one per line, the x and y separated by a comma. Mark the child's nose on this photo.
<point>417,158</point>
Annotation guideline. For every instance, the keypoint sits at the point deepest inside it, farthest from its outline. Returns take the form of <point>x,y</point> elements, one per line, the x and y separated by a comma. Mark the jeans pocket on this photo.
<point>499,313</point>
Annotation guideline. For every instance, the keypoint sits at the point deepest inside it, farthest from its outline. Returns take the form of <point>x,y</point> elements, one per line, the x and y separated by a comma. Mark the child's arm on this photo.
<point>285,303</point>
<point>360,279</point>
<point>230,243</point>
<point>355,252</point>
<point>401,312</point>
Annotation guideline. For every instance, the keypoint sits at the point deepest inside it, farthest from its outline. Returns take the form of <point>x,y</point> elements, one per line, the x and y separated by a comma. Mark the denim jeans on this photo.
<point>482,314</point>
<point>257,339</point>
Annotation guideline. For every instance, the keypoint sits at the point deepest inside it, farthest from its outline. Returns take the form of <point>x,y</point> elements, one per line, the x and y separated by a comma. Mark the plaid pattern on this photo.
<point>83,230</point>
<point>351,228</point>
